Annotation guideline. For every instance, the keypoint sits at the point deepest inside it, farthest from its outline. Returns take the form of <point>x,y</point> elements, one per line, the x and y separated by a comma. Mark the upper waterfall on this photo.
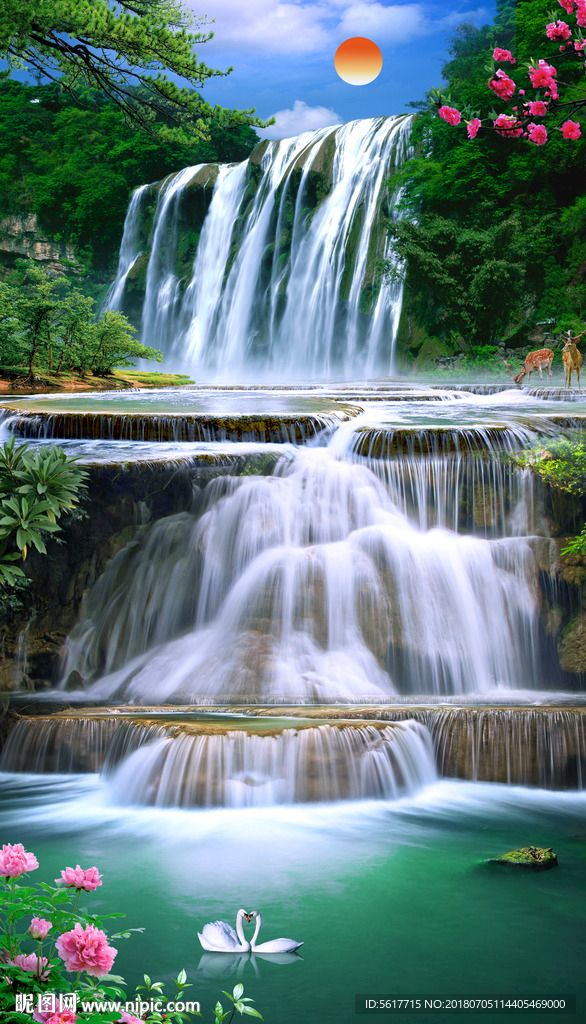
<point>270,264</point>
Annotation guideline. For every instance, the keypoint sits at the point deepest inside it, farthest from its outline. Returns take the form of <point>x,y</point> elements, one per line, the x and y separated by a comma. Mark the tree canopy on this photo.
<point>465,191</point>
<point>47,323</point>
<point>76,167</point>
<point>126,51</point>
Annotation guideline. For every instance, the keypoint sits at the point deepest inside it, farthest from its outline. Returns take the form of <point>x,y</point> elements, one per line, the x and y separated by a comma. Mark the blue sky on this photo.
<point>283,56</point>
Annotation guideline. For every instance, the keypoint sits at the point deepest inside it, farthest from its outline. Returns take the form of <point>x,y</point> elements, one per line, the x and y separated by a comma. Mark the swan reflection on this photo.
<point>223,965</point>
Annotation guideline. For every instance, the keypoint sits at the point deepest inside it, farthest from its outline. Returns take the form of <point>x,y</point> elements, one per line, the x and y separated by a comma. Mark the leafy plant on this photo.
<point>36,487</point>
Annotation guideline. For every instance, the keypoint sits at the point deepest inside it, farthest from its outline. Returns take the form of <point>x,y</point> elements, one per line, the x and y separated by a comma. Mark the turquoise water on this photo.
<point>388,898</point>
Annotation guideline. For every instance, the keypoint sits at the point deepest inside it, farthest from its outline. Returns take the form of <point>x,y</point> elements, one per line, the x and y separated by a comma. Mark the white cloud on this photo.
<point>382,24</point>
<point>302,118</point>
<point>478,16</point>
<point>269,27</point>
<point>279,27</point>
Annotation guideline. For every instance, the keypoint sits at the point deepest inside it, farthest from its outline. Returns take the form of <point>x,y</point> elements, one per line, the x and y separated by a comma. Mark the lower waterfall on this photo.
<point>308,585</point>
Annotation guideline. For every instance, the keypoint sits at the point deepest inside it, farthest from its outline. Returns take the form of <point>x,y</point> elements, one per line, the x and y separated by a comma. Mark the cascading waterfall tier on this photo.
<point>199,765</point>
<point>243,769</point>
<point>308,585</point>
<point>64,745</point>
<point>285,755</point>
<point>284,275</point>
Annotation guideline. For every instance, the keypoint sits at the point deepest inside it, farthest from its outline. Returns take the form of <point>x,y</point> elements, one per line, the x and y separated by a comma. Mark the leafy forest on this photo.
<point>496,242</point>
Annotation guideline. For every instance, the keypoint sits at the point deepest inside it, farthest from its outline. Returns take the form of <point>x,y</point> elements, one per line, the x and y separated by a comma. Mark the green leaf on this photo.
<point>237,992</point>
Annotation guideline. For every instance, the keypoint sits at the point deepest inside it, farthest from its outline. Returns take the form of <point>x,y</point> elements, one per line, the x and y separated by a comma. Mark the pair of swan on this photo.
<point>220,937</point>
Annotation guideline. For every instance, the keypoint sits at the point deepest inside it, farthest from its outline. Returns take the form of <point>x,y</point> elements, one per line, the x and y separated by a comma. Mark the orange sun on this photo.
<point>358,61</point>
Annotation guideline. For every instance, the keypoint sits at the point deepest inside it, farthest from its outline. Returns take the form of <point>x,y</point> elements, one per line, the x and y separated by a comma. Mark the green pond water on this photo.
<point>388,898</point>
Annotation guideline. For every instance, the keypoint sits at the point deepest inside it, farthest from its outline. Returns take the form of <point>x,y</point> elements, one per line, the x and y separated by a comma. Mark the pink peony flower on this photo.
<point>579,44</point>
<point>78,878</point>
<point>557,30</point>
<point>39,928</point>
<point>499,54</point>
<point>581,13</point>
<point>15,861</point>
<point>128,1018</point>
<point>86,949</point>
<point>543,75</point>
<point>32,962</point>
<point>507,126</point>
<point>59,1017</point>
<point>571,130</point>
<point>568,5</point>
<point>538,108</point>
<point>502,85</point>
<point>538,134</point>
<point>450,114</point>
<point>473,127</point>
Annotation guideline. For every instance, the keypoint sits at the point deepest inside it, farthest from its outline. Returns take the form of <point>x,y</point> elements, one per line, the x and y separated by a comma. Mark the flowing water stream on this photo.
<point>363,610</point>
<point>322,684</point>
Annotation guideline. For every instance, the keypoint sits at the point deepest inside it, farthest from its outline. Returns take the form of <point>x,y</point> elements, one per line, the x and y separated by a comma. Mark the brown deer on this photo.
<point>572,359</point>
<point>540,360</point>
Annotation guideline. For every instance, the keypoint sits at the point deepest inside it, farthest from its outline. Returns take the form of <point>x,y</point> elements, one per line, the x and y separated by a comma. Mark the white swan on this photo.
<point>275,945</point>
<point>220,937</point>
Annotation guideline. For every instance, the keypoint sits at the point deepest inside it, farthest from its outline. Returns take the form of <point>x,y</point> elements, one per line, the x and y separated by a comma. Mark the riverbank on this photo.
<point>14,383</point>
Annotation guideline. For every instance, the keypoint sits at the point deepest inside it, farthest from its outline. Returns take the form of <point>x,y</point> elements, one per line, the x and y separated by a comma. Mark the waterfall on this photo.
<point>130,248</point>
<point>66,745</point>
<point>241,769</point>
<point>310,585</point>
<point>284,275</point>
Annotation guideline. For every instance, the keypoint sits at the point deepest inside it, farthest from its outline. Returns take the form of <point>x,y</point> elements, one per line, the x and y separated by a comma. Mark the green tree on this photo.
<point>111,342</point>
<point>123,50</point>
<point>47,322</point>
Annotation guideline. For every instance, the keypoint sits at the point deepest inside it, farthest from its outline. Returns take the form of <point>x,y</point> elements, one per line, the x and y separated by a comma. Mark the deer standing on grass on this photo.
<point>540,360</point>
<point>572,358</point>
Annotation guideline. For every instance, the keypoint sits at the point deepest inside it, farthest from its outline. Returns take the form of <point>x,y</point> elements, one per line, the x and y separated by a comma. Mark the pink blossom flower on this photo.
<point>543,75</point>
<point>502,85</point>
<point>86,949</point>
<point>450,114</point>
<point>32,962</point>
<point>568,5</point>
<point>579,44</point>
<point>537,134</point>
<point>78,878</point>
<point>60,1017</point>
<point>15,861</point>
<point>128,1018</point>
<point>538,108</point>
<point>39,928</point>
<point>581,13</point>
<point>499,54</point>
<point>473,127</point>
<point>521,92</point>
<point>557,30</point>
<point>507,126</point>
<point>571,130</point>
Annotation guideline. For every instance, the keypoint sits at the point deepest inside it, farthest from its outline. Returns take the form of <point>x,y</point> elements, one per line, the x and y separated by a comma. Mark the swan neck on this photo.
<point>240,932</point>
<point>256,931</point>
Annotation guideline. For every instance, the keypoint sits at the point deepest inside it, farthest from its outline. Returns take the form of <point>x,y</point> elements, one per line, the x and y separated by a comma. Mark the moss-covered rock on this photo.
<point>431,349</point>
<point>532,858</point>
<point>572,646</point>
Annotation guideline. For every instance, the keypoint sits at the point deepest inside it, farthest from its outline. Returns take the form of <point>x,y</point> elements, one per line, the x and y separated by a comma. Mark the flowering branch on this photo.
<point>543,77</point>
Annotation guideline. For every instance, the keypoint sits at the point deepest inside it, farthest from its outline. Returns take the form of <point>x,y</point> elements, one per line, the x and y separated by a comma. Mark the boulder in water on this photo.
<point>533,858</point>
